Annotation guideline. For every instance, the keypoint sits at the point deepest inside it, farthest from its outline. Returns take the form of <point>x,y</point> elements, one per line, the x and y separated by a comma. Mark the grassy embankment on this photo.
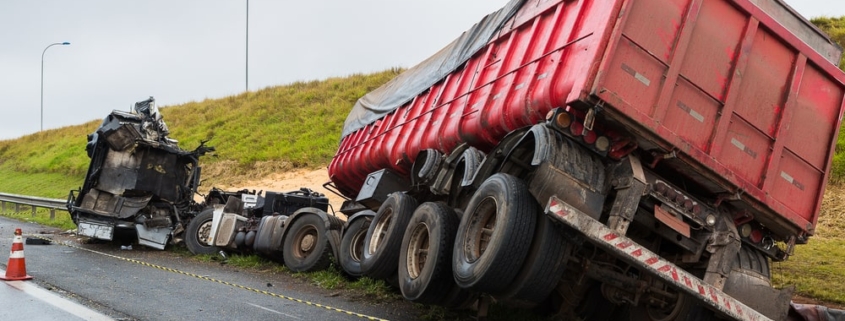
<point>271,130</point>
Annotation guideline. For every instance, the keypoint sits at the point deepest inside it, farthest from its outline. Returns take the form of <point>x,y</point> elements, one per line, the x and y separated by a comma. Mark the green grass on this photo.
<point>835,28</point>
<point>42,216</point>
<point>817,270</point>
<point>270,130</point>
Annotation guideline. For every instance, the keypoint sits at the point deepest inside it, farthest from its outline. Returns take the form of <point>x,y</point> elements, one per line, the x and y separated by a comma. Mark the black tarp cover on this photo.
<point>402,89</point>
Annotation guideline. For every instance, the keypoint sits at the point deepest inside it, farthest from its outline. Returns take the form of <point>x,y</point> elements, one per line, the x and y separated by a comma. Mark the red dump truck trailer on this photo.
<point>653,154</point>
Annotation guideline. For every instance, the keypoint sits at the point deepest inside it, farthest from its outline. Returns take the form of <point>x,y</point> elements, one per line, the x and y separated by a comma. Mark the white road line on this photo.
<point>68,306</point>
<point>274,311</point>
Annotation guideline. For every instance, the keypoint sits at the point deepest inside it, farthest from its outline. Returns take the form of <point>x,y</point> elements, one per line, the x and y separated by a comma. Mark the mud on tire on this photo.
<point>495,235</point>
<point>352,246</point>
<point>384,236</point>
<point>306,245</point>
<point>425,270</point>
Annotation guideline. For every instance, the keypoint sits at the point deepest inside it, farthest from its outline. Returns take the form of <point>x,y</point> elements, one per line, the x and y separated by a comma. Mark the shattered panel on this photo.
<point>161,173</point>
<point>122,137</point>
<point>120,171</point>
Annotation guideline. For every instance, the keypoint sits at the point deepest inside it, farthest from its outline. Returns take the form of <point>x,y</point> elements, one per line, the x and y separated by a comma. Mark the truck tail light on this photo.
<point>602,143</point>
<point>563,120</point>
<point>590,137</point>
<point>576,129</point>
<point>560,118</point>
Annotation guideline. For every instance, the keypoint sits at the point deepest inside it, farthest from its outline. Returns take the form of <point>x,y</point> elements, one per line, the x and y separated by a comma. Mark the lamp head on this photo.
<point>65,43</point>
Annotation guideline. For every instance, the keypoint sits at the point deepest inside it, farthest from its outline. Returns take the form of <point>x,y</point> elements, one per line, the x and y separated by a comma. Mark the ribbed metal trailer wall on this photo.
<point>749,107</point>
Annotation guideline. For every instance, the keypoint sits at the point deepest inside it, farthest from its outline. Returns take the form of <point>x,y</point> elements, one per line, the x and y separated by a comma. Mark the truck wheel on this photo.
<point>198,232</point>
<point>683,309</point>
<point>425,257</point>
<point>546,261</point>
<point>459,298</point>
<point>352,247</point>
<point>384,236</point>
<point>495,235</point>
<point>306,246</point>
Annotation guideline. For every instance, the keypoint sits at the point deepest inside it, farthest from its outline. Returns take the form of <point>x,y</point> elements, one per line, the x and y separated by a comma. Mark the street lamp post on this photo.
<point>42,78</point>
<point>247,46</point>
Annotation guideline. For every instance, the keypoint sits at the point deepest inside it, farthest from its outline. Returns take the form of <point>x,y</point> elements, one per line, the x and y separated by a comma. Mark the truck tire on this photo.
<point>198,230</point>
<point>425,269</point>
<point>352,247</point>
<point>459,298</point>
<point>384,236</point>
<point>306,246</point>
<point>546,262</point>
<point>495,235</point>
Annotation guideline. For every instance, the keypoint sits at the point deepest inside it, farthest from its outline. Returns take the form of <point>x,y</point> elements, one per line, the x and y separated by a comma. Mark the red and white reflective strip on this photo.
<point>611,241</point>
<point>16,254</point>
<point>17,248</point>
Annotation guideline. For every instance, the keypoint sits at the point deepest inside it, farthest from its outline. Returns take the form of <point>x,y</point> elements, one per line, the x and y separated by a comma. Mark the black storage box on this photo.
<point>287,203</point>
<point>378,185</point>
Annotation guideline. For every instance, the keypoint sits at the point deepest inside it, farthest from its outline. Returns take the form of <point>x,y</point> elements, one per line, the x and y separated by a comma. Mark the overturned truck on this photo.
<point>139,181</point>
<point>619,159</point>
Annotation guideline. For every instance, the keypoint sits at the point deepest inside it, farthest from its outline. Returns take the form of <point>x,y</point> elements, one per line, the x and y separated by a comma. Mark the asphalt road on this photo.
<point>147,284</point>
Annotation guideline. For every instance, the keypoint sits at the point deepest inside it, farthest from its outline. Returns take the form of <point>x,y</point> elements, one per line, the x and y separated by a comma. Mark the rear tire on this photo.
<point>199,230</point>
<point>495,235</point>
<point>544,264</point>
<point>306,246</point>
<point>352,246</point>
<point>384,236</point>
<point>425,270</point>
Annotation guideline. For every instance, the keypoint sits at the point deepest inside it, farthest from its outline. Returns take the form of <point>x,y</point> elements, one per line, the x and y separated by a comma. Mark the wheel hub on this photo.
<point>204,234</point>
<point>307,243</point>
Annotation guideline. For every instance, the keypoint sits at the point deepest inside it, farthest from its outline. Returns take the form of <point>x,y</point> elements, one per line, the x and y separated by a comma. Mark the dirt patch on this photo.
<point>805,300</point>
<point>290,181</point>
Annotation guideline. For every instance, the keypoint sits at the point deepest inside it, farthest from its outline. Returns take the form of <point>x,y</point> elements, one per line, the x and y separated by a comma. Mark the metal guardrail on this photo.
<point>33,202</point>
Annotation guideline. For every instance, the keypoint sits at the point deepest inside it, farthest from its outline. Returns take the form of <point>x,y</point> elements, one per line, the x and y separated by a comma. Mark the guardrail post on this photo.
<point>17,208</point>
<point>3,203</point>
<point>33,210</point>
<point>52,214</point>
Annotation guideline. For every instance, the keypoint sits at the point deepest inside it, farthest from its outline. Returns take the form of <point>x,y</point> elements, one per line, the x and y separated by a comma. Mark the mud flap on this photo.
<point>154,237</point>
<point>759,295</point>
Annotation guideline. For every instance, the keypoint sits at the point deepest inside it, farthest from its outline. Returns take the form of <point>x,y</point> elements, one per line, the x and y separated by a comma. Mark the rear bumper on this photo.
<point>628,250</point>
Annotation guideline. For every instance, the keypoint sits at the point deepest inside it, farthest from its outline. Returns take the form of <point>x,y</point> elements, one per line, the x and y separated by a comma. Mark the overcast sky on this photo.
<point>188,50</point>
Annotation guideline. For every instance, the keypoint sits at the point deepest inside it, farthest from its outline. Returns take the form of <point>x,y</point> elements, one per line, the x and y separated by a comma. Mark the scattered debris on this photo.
<point>37,241</point>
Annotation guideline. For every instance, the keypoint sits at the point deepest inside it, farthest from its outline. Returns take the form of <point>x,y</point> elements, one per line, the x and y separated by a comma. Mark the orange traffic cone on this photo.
<point>16,269</point>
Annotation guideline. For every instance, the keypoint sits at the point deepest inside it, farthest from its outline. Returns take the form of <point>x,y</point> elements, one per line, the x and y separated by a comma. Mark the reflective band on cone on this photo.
<point>16,269</point>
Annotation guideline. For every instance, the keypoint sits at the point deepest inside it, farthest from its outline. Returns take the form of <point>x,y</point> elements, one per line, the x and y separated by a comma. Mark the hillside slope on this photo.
<point>271,130</point>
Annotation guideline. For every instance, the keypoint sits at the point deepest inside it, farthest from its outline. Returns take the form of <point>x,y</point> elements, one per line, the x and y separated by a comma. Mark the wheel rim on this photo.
<point>480,229</point>
<point>380,231</point>
<point>204,233</point>
<point>356,250</point>
<point>418,248</point>
<point>305,241</point>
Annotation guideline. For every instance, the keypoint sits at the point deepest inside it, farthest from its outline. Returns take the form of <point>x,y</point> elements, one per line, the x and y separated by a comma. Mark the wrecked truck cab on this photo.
<point>139,181</point>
